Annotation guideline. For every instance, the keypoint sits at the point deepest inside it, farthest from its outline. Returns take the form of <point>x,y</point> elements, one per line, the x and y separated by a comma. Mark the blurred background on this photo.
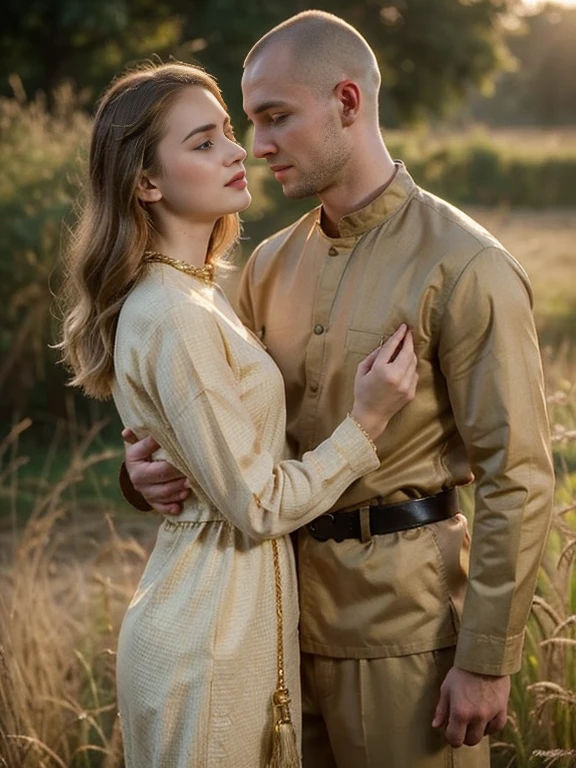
<point>478,99</point>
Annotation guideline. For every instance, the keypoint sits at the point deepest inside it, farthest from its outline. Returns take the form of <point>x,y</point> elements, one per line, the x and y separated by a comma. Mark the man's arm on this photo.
<point>489,356</point>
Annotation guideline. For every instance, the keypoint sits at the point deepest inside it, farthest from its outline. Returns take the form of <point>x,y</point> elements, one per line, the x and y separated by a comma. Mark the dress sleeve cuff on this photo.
<point>357,448</point>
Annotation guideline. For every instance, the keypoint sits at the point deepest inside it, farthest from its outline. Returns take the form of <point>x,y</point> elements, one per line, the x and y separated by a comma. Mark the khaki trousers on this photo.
<point>376,713</point>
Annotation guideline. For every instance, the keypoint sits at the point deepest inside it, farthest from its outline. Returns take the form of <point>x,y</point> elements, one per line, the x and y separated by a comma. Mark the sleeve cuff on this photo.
<point>357,448</point>
<point>487,654</point>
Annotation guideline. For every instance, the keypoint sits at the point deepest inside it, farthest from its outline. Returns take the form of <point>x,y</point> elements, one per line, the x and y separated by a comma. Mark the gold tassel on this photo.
<point>285,752</point>
<point>284,745</point>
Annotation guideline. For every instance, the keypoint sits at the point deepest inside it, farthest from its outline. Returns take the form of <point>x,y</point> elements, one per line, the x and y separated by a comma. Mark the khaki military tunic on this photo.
<point>320,304</point>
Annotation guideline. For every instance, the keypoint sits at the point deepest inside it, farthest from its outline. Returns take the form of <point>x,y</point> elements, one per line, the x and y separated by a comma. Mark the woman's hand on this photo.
<point>385,381</point>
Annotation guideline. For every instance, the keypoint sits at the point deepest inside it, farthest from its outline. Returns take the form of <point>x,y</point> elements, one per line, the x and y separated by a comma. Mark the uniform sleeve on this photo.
<point>192,384</point>
<point>490,358</point>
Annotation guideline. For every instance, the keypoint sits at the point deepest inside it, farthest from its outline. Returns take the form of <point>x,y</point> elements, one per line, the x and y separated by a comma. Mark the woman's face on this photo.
<point>201,175</point>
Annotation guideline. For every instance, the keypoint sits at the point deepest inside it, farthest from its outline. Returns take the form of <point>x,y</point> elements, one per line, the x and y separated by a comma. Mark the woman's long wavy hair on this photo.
<point>105,256</point>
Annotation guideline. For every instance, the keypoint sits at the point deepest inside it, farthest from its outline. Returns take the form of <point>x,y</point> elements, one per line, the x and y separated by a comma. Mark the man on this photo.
<point>405,658</point>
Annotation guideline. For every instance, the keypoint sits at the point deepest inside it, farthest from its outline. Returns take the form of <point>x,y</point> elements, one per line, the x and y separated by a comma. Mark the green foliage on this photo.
<point>47,42</point>
<point>431,51</point>
<point>39,155</point>
<point>542,88</point>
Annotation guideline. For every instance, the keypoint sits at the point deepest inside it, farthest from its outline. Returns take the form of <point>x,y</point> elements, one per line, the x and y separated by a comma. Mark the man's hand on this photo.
<point>471,706</point>
<point>162,485</point>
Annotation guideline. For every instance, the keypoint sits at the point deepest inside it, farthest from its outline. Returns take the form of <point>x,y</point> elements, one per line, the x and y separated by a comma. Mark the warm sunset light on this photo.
<point>535,4</point>
<point>264,275</point>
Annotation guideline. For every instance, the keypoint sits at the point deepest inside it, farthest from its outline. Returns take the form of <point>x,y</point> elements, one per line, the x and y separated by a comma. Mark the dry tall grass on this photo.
<point>541,728</point>
<point>64,584</point>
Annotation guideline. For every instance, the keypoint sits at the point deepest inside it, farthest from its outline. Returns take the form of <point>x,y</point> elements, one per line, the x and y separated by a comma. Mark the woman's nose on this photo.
<point>238,153</point>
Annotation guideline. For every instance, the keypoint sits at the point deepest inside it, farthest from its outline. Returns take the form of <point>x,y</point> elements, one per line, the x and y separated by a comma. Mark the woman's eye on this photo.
<point>205,144</point>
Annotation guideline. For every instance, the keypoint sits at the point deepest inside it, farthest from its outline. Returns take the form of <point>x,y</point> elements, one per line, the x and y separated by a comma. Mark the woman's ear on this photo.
<point>349,96</point>
<point>147,191</point>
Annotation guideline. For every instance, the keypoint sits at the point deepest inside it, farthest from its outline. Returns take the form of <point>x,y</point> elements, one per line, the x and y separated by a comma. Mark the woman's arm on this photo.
<point>211,438</point>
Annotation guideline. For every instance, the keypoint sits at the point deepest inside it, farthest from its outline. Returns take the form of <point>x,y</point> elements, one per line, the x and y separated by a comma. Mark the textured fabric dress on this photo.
<point>196,664</point>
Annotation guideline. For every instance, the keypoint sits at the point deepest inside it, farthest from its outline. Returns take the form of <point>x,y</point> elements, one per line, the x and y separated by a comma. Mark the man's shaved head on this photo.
<point>324,50</point>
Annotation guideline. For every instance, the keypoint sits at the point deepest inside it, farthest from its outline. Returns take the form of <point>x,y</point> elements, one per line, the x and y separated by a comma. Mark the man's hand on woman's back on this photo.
<point>163,486</point>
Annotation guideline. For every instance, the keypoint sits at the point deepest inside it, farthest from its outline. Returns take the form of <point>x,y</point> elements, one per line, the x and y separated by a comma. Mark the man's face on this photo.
<point>296,131</point>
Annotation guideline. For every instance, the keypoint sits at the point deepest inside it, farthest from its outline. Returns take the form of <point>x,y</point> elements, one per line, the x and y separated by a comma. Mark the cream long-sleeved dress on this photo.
<point>196,664</point>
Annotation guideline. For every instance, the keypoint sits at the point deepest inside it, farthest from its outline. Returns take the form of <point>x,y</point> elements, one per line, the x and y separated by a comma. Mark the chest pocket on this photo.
<point>362,342</point>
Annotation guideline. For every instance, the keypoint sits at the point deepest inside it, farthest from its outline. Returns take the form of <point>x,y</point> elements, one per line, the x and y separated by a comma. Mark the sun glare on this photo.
<point>537,3</point>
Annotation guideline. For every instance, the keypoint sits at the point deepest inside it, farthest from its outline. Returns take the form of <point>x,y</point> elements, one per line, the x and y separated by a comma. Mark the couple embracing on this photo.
<point>383,354</point>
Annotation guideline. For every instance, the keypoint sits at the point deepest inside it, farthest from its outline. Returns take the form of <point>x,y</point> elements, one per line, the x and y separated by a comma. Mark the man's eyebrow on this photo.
<point>200,129</point>
<point>269,105</point>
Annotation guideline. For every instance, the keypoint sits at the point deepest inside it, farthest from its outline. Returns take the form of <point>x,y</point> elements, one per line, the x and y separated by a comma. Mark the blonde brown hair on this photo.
<point>105,256</point>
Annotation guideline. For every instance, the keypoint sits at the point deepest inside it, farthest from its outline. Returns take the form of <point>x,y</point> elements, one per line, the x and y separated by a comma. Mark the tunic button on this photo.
<point>313,387</point>
<point>333,251</point>
<point>318,329</point>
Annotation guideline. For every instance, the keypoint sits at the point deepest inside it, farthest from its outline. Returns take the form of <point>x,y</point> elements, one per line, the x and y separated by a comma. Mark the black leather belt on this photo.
<point>386,519</point>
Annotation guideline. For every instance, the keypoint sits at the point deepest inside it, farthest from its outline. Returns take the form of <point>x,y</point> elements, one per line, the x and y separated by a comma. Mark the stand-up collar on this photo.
<point>381,208</point>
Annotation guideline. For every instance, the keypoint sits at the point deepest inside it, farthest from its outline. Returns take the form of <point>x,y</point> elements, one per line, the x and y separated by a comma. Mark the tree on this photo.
<point>430,51</point>
<point>547,57</point>
<point>46,42</point>
<point>542,89</point>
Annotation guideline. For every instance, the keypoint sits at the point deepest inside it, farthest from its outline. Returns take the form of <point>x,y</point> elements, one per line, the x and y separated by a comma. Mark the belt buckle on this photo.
<point>321,528</point>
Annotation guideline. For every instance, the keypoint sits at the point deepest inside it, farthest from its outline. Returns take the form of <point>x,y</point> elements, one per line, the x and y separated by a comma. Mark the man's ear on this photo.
<point>349,96</point>
<point>147,191</point>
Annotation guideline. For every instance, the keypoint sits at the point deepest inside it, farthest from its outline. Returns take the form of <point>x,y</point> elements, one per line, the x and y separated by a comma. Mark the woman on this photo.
<point>212,628</point>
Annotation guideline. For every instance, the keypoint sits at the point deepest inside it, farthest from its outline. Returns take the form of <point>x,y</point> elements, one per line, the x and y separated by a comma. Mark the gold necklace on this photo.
<point>204,273</point>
